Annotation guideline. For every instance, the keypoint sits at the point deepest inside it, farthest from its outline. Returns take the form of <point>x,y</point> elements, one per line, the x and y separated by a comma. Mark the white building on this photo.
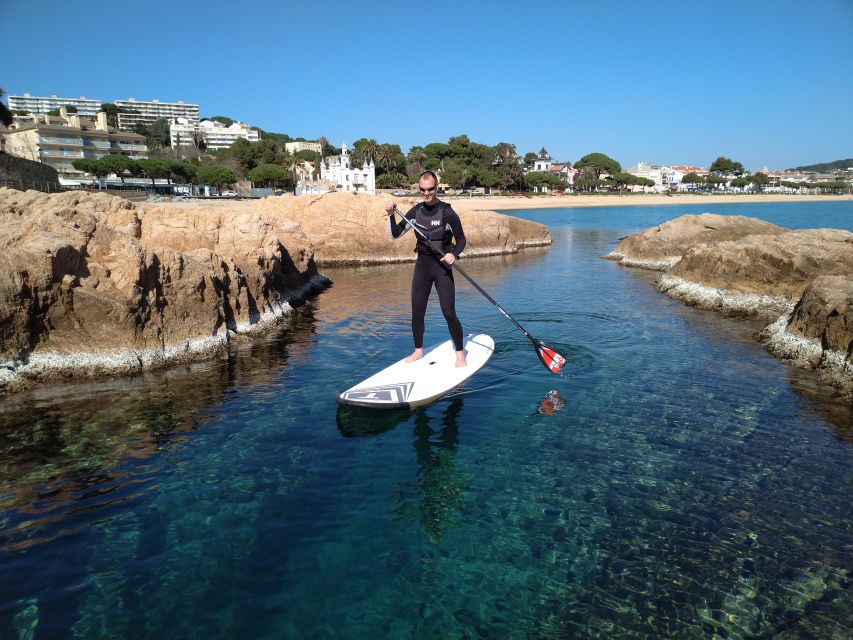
<point>216,135</point>
<point>35,104</point>
<point>148,112</point>
<point>338,174</point>
<point>651,171</point>
<point>543,161</point>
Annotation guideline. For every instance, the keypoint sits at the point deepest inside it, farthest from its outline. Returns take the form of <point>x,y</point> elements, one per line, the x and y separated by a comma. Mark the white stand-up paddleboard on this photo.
<point>405,385</point>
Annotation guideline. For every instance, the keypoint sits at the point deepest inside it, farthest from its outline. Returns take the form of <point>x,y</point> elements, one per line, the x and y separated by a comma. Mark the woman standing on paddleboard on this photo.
<point>441,224</point>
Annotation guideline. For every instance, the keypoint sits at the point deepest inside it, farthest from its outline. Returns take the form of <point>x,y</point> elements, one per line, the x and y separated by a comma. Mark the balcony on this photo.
<point>53,153</point>
<point>65,142</point>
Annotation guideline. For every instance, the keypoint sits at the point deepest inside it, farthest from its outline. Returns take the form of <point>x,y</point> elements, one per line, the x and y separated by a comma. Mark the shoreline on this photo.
<point>506,203</point>
<point>462,204</point>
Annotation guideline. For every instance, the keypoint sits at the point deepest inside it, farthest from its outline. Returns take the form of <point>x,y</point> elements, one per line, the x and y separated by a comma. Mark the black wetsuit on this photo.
<point>441,224</point>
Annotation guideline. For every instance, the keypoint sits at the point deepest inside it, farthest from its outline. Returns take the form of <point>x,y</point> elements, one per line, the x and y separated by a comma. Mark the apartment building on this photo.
<point>58,141</point>
<point>40,104</point>
<point>216,135</point>
<point>146,113</point>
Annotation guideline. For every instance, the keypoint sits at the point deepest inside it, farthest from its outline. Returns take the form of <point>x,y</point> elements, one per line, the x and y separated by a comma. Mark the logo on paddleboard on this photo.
<point>387,393</point>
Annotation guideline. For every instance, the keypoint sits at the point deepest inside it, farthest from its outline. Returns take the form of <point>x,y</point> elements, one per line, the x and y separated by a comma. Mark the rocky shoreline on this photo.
<point>92,284</point>
<point>801,281</point>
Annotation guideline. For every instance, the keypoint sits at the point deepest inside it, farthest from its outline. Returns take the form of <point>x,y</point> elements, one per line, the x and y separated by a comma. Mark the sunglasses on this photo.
<point>430,190</point>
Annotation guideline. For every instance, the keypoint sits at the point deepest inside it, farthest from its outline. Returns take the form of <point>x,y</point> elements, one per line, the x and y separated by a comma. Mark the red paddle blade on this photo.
<point>550,358</point>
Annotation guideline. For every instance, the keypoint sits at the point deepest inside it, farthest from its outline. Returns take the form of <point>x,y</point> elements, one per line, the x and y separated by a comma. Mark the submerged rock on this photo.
<point>800,279</point>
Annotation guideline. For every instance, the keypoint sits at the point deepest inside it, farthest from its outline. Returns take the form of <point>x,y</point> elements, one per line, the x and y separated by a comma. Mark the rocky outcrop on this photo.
<point>802,280</point>
<point>92,283</point>
<point>661,248</point>
<point>818,333</point>
<point>347,228</point>
<point>90,286</point>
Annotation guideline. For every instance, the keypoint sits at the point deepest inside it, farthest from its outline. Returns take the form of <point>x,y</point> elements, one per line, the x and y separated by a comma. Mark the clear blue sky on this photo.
<point>764,82</point>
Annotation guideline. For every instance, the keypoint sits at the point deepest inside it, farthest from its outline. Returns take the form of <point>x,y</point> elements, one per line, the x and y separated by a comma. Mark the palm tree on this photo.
<point>386,157</point>
<point>417,156</point>
<point>370,149</point>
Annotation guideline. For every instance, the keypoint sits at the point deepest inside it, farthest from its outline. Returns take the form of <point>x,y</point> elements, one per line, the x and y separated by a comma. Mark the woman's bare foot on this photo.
<point>417,354</point>
<point>460,359</point>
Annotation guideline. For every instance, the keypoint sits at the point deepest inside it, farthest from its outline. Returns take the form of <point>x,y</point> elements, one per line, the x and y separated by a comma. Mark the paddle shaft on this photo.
<point>461,271</point>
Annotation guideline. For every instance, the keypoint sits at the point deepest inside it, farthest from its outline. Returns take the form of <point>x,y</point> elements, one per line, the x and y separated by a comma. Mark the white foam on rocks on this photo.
<point>700,295</point>
<point>661,264</point>
<point>47,364</point>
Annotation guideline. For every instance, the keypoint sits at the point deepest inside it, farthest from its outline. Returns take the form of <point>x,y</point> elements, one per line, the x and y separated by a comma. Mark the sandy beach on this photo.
<point>503,203</point>
<point>506,203</point>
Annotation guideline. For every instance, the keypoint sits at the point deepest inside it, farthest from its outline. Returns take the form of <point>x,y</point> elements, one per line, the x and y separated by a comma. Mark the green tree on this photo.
<point>530,158</point>
<point>506,165</point>
<point>387,156</point>
<point>693,178</point>
<point>116,164</point>
<point>270,175</point>
<point>714,182</point>
<point>112,112</point>
<point>215,175</point>
<point>760,180</point>
<point>620,179</point>
<point>392,180</point>
<point>306,155</point>
<point>223,119</point>
<point>160,135</point>
<point>244,152</point>
<point>543,179</point>
<point>587,181</point>
<point>185,171</point>
<point>455,174</point>
<point>370,149</point>
<point>416,157</point>
<point>88,165</point>
<point>740,183</point>
<point>153,168</point>
<point>723,166</point>
<point>598,164</point>
<point>6,117</point>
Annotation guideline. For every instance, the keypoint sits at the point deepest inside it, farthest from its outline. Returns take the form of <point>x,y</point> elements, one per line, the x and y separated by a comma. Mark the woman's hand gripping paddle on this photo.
<point>552,360</point>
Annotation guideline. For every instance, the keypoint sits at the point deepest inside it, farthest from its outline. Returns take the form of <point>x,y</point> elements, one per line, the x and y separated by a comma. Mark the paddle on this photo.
<point>552,360</point>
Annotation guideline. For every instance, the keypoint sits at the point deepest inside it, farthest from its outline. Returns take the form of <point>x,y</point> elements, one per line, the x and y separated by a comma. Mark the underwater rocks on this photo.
<point>92,284</point>
<point>800,279</point>
<point>347,228</point>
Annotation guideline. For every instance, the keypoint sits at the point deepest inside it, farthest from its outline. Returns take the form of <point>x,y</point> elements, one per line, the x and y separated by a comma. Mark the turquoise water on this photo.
<point>688,486</point>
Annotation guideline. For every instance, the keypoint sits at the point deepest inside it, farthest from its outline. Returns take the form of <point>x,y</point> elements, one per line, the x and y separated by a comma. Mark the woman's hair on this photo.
<point>430,174</point>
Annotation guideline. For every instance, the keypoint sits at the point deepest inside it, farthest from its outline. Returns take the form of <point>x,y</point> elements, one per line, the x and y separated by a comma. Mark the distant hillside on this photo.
<point>827,167</point>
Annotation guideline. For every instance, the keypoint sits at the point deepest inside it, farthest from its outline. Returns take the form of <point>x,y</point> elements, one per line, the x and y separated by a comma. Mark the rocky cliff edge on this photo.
<point>802,280</point>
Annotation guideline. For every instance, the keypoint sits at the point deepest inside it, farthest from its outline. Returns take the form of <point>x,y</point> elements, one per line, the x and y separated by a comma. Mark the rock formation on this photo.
<point>660,248</point>
<point>89,286</point>
<point>92,283</point>
<point>352,229</point>
<point>801,279</point>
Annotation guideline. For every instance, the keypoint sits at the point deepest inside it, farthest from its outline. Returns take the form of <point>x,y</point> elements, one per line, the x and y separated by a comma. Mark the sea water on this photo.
<point>675,481</point>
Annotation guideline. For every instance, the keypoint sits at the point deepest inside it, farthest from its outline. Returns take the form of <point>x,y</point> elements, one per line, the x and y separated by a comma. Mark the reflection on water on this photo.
<point>436,498</point>
<point>676,482</point>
